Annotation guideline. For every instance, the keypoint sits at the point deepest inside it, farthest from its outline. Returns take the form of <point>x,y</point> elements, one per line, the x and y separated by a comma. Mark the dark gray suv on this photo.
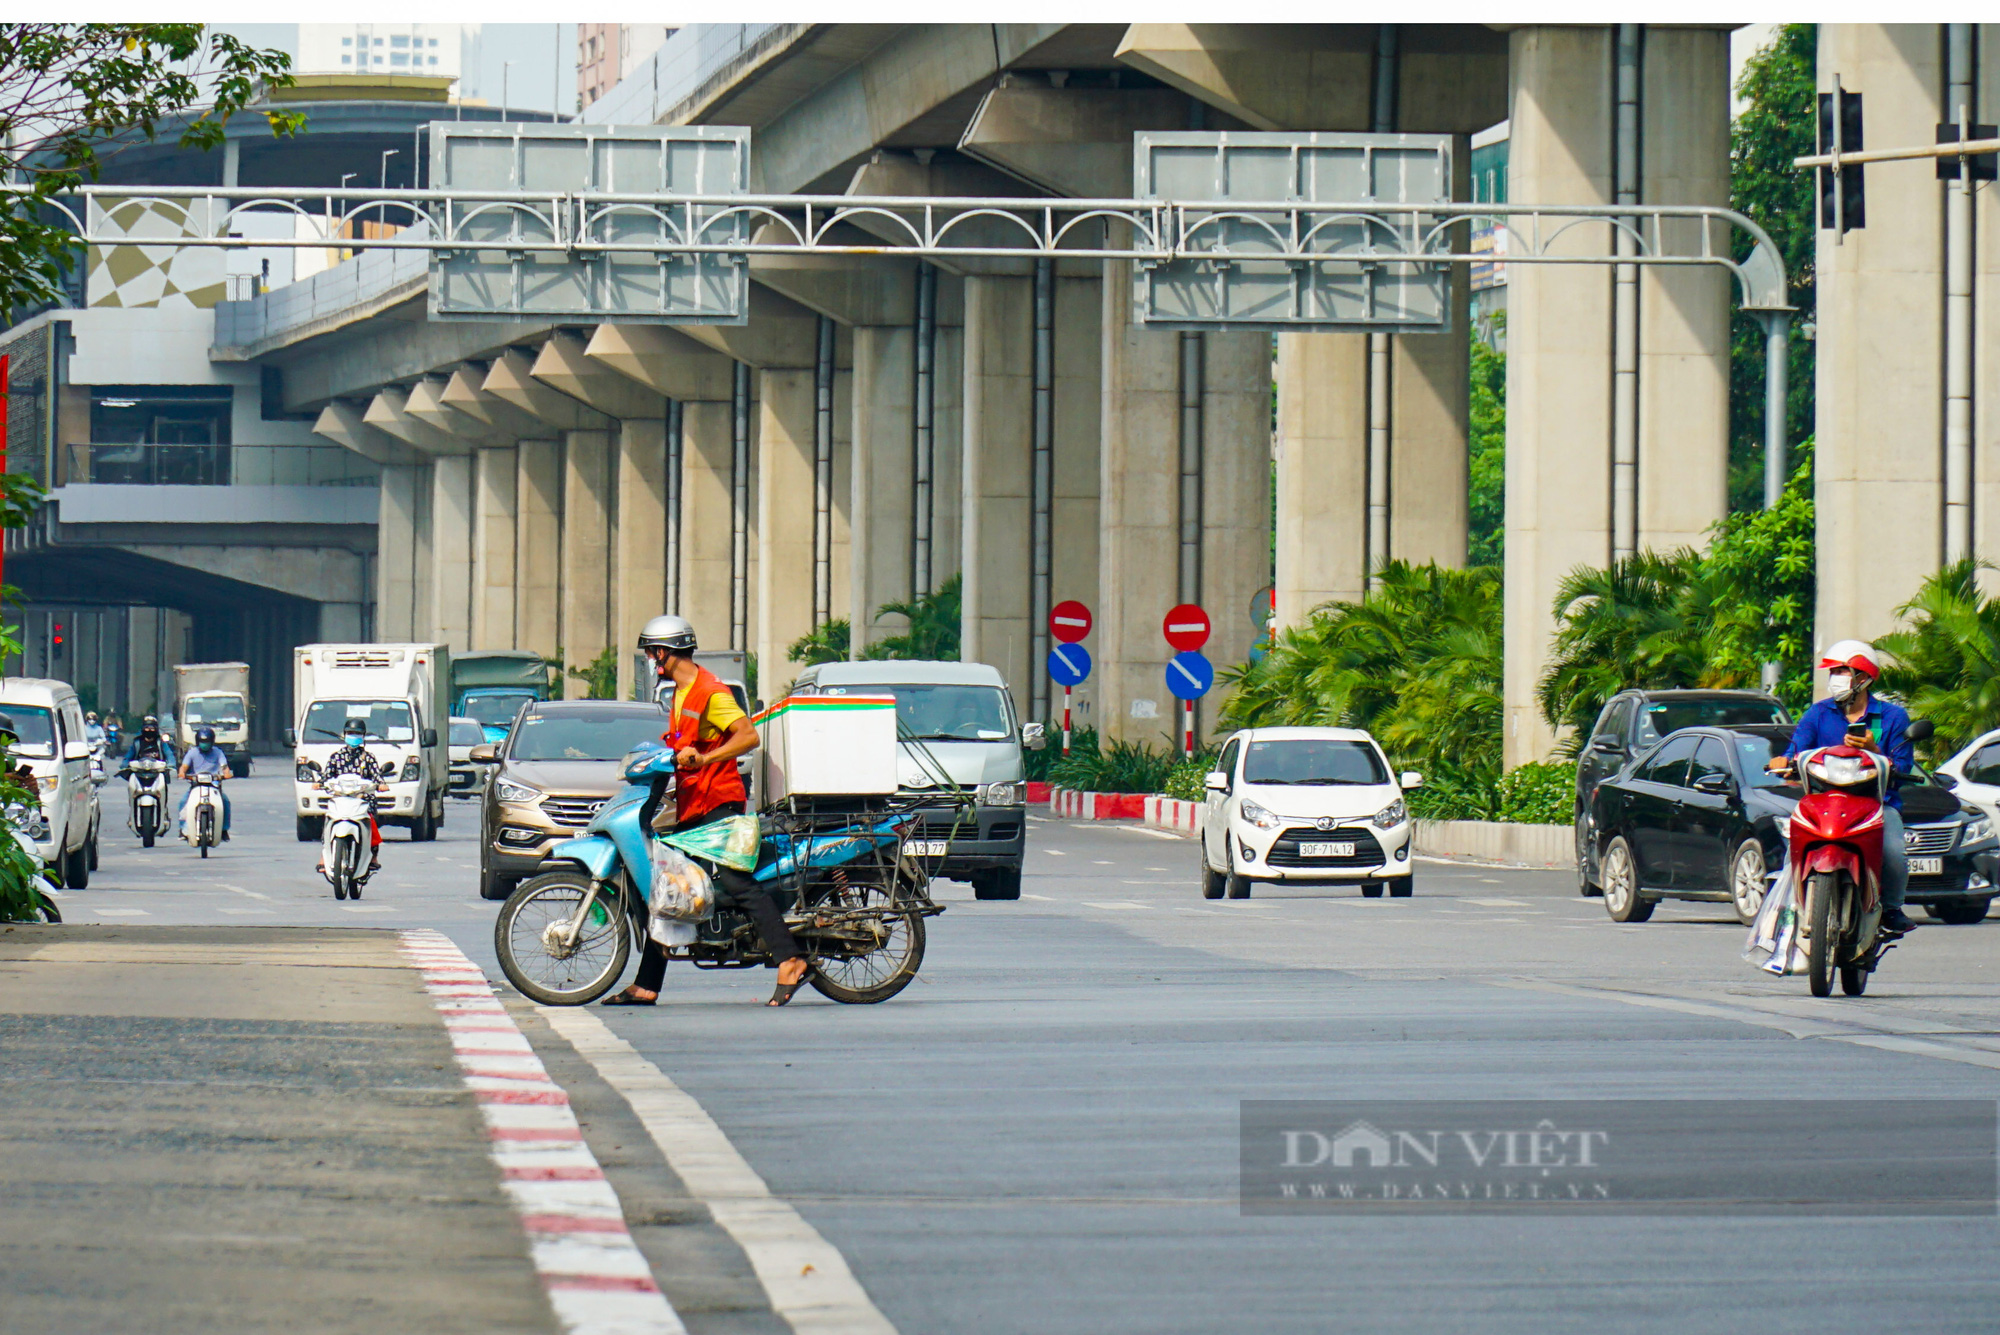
<point>1633,720</point>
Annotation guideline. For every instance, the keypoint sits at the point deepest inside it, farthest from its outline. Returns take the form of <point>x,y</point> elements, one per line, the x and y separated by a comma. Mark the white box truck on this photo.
<point>398,690</point>
<point>215,695</point>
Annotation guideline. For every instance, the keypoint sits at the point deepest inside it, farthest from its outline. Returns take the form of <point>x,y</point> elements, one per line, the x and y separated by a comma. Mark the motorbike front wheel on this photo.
<point>340,862</point>
<point>204,829</point>
<point>1819,950</point>
<point>529,934</point>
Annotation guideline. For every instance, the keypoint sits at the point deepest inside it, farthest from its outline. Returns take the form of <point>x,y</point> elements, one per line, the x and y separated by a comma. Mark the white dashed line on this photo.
<point>121,913</point>
<point>367,908</point>
<point>237,889</point>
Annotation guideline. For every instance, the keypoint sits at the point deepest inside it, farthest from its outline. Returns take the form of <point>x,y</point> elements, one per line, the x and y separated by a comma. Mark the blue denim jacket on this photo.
<point>1825,724</point>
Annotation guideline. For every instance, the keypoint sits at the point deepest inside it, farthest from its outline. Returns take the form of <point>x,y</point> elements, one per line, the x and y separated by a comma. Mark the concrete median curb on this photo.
<point>1498,841</point>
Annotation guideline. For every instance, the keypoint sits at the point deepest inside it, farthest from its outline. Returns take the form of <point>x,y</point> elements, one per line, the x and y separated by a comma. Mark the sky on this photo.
<point>542,54</point>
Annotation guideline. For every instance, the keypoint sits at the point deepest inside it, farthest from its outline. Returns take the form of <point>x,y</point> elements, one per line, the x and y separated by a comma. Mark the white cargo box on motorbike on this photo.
<point>828,746</point>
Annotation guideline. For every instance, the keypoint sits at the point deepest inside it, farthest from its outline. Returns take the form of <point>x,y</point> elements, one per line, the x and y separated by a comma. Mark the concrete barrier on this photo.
<point>1078,805</point>
<point>1498,841</point>
<point>1173,813</point>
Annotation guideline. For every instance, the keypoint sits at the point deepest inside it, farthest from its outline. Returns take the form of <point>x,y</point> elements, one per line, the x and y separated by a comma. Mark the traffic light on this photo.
<point>1850,209</point>
<point>56,641</point>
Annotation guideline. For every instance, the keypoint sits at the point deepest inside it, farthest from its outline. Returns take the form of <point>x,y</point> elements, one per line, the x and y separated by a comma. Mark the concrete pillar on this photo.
<point>450,572</point>
<point>948,444</point>
<point>640,585</point>
<point>703,598</point>
<point>1986,316</point>
<point>881,500</point>
<point>142,661</point>
<point>1236,497</point>
<point>995,479</point>
<point>588,516</point>
<point>341,623</point>
<point>538,547</point>
<point>495,542</point>
<point>423,597</point>
<point>1077,464</point>
<point>782,605</point>
<point>395,555</point>
<point>842,516</point>
<point>1322,472</point>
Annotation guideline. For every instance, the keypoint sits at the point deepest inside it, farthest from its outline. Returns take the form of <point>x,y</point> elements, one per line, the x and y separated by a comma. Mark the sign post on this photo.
<point>1069,661</point>
<point>1189,675</point>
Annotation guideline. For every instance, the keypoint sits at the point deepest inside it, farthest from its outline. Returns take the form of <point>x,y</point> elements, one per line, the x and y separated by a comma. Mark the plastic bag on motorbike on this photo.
<point>682,895</point>
<point>732,841</point>
<point>1774,935</point>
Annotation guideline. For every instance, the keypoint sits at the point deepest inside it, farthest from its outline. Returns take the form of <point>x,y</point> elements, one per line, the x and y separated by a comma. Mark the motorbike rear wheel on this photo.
<point>574,977</point>
<point>864,980</point>
<point>1819,950</point>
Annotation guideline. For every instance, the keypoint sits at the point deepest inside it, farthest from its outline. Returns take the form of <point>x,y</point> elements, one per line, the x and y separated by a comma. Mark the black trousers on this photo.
<point>733,889</point>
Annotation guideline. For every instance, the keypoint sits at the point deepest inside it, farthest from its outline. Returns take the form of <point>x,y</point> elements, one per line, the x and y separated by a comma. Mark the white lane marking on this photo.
<point>805,1276</point>
<point>1055,852</point>
<point>596,1278</point>
<point>1497,903</point>
<point>1113,904</point>
<point>1046,899</point>
<point>264,913</point>
<point>237,889</point>
<point>1151,832</point>
<point>121,913</point>
<point>367,908</point>
<point>1102,863</point>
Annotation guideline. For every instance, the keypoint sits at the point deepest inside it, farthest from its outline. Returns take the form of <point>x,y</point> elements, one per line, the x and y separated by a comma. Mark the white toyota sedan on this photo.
<point>1973,775</point>
<point>1306,804</point>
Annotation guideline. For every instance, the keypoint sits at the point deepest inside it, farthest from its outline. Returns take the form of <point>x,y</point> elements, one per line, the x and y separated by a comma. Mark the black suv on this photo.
<point>1633,720</point>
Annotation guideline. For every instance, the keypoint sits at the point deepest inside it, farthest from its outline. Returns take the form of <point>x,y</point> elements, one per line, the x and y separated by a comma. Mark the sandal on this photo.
<point>626,998</point>
<point>784,992</point>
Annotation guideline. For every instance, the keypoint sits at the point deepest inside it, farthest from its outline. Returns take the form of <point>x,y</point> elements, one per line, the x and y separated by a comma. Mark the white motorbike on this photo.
<point>201,818</point>
<point>344,850</point>
<point>148,781</point>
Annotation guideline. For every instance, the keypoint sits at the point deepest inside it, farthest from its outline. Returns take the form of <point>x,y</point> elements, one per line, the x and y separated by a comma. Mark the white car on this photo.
<point>1974,774</point>
<point>1306,804</point>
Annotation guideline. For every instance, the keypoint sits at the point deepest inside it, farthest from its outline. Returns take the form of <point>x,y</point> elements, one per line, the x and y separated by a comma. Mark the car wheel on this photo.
<point>1586,887</point>
<point>1233,885</point>
<point>1620,876</point>
<point>308,829</point>
<point>76,868</point>
<point>1959,912</point>
<point>1211,881</point>
<point>1746,881</point>
<point>999,883</point>
<point>492,885</point>
<point>91,849</point>
<point>1371,889</point>
<point>1402,887</point>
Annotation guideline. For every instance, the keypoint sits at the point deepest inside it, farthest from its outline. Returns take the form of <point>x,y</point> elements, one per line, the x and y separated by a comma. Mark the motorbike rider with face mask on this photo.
<point>150,744</point>
<point>1851,716</point>
<point>207,758</point>
<point>353,758</point>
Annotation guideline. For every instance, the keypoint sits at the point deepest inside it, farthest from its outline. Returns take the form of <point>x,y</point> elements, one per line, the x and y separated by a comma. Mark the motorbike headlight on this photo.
<point>48,782</point>
<point>997,795</point>
<point>509,791</point>
<point>1979,830</point>
<point>1389,817</point>
<point>1256,815</point>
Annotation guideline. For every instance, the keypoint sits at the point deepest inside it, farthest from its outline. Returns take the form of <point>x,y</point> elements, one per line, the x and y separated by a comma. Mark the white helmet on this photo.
<point>668,632</point>
<point>1856,655</point>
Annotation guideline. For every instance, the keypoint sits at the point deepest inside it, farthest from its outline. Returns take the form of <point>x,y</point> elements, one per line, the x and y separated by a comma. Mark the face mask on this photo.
<point>1844,686</point>
<point>204,747</point>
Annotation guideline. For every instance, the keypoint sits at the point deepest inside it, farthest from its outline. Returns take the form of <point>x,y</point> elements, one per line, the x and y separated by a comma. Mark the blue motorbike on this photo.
<point>854,900</point>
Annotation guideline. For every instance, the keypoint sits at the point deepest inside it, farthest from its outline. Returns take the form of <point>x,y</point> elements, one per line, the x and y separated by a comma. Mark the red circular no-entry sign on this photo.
<point>1186,627</point>
<point>1069,621</point>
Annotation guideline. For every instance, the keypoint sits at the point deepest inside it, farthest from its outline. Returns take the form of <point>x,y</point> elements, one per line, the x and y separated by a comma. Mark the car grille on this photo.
<point>574,812</point>
<point>1004,830</point>
<point>1927,841</point>
<point>1285,852</point>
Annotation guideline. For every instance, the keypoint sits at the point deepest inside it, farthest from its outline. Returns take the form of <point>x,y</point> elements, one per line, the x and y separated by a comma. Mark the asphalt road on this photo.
<point>1042,1134</point>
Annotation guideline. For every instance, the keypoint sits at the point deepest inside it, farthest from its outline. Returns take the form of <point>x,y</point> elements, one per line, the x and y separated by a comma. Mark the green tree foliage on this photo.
<point>932,634</point>
<point>1487,466</point>
<point>1776,126</point>
<point>73,93</point>
<point>1946,666</point>
<point>826,644</point>
<point>1416,662</point>
<point>600,675</point>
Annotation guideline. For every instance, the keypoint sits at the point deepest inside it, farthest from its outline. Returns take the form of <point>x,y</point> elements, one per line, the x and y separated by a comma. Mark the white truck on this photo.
<point>398,690</point>
<point>215,695</point>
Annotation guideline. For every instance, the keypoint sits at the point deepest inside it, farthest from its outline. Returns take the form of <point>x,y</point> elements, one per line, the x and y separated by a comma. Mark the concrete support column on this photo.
<point>1236,496</point>
<point>538,546</point>
<point>706,447</point>
<point>1078,480</point>
<point>396,554</point>
<point>1985,378</point>
<point>995,481</point>
<point>589,516</point>
<point>882,499</point>
<point>1322,529</point>
<point>948,432</point>
<point>450,572</point>
<point>639,587</point>
<point>495,542</point>
<point>785,501</point>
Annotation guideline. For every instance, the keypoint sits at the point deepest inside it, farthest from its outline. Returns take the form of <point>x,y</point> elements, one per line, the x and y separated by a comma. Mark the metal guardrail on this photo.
<point>668,77</point>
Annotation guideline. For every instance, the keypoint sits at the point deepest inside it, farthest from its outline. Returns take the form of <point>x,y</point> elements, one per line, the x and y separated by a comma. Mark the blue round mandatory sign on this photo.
<point>1069,664</point>
<point>1189,675</point>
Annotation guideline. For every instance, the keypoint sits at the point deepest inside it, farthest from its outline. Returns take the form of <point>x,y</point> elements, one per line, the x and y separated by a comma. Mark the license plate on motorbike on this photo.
<point>1317,850</point>
<point>925,848</point>
<point>1926,866</point>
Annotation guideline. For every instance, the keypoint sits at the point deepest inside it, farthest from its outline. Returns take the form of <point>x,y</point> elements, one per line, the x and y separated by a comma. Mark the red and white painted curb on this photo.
<point>597,1280</point>
<point>1173,813</point>
<point>1078,805</point>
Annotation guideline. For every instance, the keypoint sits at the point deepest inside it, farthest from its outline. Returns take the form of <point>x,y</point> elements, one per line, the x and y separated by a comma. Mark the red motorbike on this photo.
<point>1836,863</point>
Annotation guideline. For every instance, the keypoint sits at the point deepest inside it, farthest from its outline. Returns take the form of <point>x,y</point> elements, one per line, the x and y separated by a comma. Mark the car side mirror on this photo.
<point>1944,780</point>
<point>1216,782</point>
<point>486,754</point>
<point>1607,744</point>
<point>76,750</point>
<point>1715,784</point>
<point>1410,779</point>
<point>430,737</point>
<point>1034,736</point>
<point>291,737</point>
<point>1921,731</point>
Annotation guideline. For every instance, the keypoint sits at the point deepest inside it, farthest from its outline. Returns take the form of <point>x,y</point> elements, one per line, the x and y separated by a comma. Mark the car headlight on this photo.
<point>997,795</point>
<point>1978,830</point>
<point>48,782</point>
<point>1392,815</point>
<point>509,791</point>
<point>1256,815</point>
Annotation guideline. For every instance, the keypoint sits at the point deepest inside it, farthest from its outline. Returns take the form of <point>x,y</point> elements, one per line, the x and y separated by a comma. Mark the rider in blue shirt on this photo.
<point>1851,716</point>
<point>208,758</point>
<point>149,744</point>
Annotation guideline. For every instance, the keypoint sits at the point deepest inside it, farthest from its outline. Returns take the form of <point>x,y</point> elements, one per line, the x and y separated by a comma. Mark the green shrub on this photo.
<point>1543,793</point>
<point>1121,767</point>
<point>1040,764</point>
<point>1184,780</point>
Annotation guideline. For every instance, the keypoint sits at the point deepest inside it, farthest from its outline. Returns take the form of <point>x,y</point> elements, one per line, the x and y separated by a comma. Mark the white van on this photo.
<point>48,720</point>
<point>962,715</point>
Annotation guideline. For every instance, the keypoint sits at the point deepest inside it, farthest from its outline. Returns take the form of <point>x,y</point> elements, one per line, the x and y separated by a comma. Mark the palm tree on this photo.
<point>824,644</point>
<point>1946,666</point>
<point>933,630</point>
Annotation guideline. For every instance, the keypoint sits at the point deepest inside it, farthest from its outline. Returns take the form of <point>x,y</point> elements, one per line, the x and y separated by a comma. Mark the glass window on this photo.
<point>597,734</point>
<point>400,58</point>
<point>497,710</point>
<point>434,60</point>
<point>1228,762</point>
<point>387,720</point>
<point>217,711</point>
<point>399,41</point>
<point>943,711</point>
<point>347,41</point>
<point>347,60</point>
<point>160,434</point>
<point>1662,718</point>
<point>34,726</point>
<point>1754,752</point>
<point>467,732</point>
<point>1711,761</point>
<point>1615,719</point>
<point>1313,761</point>
<point>1668,764</point>
<point>434,42</point>
<point>1983,766</point>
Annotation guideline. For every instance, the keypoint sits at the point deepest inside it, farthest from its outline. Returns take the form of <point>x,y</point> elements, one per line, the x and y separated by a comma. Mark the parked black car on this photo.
<point>1696,816</point>
<point>1633,720</point>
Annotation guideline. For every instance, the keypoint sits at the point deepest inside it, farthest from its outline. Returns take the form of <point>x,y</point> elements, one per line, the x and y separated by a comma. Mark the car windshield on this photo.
<point>386,720</point>
<point>217,711</point>
<point>33,726</point>
<point>1754,752</point>
<point>1313,762</point>
<point>940,712</point>
<point>466,732</point>
<point>598,734</point>
<point>1662,717</point>
<point>496,710</point>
